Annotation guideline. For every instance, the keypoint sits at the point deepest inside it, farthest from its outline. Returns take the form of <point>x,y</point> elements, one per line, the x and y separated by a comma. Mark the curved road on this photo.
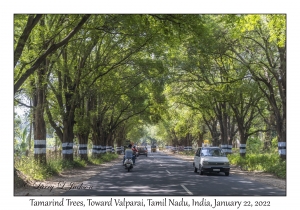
<point>163,175</point>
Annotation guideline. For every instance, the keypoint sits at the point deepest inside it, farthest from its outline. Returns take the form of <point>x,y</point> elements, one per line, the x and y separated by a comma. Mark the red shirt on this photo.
<point>134,150</point>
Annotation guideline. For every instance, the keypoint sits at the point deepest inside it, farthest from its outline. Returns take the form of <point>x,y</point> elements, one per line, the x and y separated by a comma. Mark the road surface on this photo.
<point>162,175</point>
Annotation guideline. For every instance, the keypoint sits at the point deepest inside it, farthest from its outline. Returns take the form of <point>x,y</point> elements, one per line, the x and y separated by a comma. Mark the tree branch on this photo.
<point>31,23</point>
<point>19,102</point>
<point>51,49</point>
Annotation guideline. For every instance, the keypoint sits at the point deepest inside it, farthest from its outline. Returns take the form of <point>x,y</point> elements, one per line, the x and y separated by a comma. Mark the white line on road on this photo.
<point>168,171</point>
<point>189,192</point>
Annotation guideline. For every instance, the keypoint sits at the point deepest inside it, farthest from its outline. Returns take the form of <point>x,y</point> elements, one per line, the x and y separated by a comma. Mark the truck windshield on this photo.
<point>213,152</point>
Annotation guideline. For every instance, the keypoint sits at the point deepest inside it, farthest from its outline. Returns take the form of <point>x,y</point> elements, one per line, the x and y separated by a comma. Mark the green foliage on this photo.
<point>254,145</point>
<point>36,171</point>
<point>277,28</point>
<point>20,141</point>
<point>29,167</point>
<point>269,162</point>
<point>274,24</point>
<point>103,158</point>
<point>274,143</point>
<point>137,131</point>
<point>187,153</point>
<point>109,156</point>
<point>96,160</point>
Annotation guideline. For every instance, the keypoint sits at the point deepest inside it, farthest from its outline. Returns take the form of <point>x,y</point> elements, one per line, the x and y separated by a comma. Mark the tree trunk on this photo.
<point>281,129</point>
<point>120,138</point>
<point>82,150</point>
<point>269,133</point>
<point>109,142</point>
<point>67,143</point>
<point>231,134</point>
<point>215,135</point>
<point>30,131</point>
<point>200,139</point>
<point>281,139</point>
<point>99,146</point>
<point>201,136</point>
<point>243,141</point>
<point>96,150</point>
<point>221,109</point>
<point>39,125</point>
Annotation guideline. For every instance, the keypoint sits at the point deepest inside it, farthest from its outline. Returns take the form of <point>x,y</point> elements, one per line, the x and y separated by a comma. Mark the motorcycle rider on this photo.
<point>133,156</point>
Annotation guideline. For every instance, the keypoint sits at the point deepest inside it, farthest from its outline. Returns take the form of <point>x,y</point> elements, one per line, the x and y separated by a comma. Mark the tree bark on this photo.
<point>243,139</point>
<point>120,138</point>
<point>201,136</point>
<point>281,123</point>
<point>40,125</point>
<point>83,144</point>
<point>212,126</point>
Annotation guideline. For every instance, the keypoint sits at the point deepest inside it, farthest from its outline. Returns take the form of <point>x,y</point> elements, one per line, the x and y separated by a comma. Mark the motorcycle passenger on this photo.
<point>133,156</point>
<point>134,150</point>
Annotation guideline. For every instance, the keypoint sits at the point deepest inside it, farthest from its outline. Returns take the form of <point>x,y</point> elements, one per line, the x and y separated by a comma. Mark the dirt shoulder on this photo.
<point>59,184</point>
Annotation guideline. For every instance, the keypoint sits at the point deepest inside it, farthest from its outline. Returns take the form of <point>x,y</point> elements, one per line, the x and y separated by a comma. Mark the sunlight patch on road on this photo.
<point>245,182</point>
<point>143,189</point>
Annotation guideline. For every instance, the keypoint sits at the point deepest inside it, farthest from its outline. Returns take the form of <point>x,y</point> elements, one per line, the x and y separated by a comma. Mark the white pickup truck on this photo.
<point>211,159</point>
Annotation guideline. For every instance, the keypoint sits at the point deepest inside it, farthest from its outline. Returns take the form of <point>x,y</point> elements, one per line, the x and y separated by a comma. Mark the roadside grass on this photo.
<point>187,153</point>
<point>54,166</point>
<point>107,157</point>
<point>267,162</point>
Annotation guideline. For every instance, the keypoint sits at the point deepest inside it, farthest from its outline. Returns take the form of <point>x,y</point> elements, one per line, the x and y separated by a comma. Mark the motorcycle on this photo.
<point>128,162</point>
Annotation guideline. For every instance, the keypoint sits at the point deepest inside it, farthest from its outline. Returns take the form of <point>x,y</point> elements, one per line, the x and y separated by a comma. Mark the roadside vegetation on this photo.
<point>54,166</point>
<point>104,158</point>
<point>258,159</point>
<point>267,162</point>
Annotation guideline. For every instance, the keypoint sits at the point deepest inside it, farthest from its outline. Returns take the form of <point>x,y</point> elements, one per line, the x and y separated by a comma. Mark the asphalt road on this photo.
<point>163,175</point>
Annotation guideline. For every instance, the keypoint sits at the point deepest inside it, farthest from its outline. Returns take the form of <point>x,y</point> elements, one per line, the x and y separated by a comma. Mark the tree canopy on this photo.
<point>107,78</point>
